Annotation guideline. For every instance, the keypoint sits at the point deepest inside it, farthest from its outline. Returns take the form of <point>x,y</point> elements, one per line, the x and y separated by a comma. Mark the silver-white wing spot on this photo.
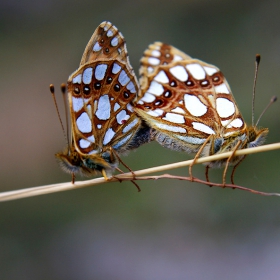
<point>114,41</point>
<point>110,133</point>
<point>203,128</point>
<point>130,86</point>
<point>174,118</point>
<point>109,33</point>
<point>100,71</point>
<point>77,103</point>
<point>156,53</point>
<point>177,57</point>
<point>123,78</point>
<point>147,98</point>
<point>103,108</point>
<point>99,126</point>
<point>84,143</point>
<point>116,107</point>
<point>96,47</point>
<point>84,123</point>
<point>179,73</point>
<point>129,108</point>
<point>170,127</point>
<point>155,113</point>
<point>178,110</point>
<point>194,105</point>
<point>122,116</point>
<point>130,125</point>
<point>191,140</point>
<point>87,75</point>
<point>222,88</point>
<point>196,71</point>
<point>235,123</point>
<point>156,88</point>
<point>161,77</point>
<point>116,68</point>
<point>153,61</point>
<point>225,107</point>
<point>77,79</point>
<point>210,70</point>
<point>122,142</point>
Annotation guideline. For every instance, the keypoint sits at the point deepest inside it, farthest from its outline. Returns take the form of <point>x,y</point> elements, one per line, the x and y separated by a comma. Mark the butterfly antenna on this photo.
<point>272,100</point>
<point>57,111</point>
<point>257,63</point>
<point>63,90</point>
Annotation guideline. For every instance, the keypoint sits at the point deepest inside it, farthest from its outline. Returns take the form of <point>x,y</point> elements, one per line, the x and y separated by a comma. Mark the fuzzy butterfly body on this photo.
<point>100,93</point>
<point>190,106</point>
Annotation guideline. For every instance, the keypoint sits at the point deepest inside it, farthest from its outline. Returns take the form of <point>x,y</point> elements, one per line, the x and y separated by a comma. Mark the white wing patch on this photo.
<point>222,88</point>
<point>87,76</point>
<point>194,105</point>
<point>103,108</point>
<point>116,68</point>
<point>84,123</point>
<point>130,125</point>
<point>100,71</point>
<point>161,77</point>
<point>155,113</point>
<point>122,116</point>
<point>170,127</point>
<point>196,71</point>
<point>110,133</point>
<point>225,107</point>
<point>153,61</point>
<point>203,128</point>
<point>175,118</point>
<point>147,98</point>
<point>130,86</point>
<point>179,72</point>
<point>77,79</point>
<point>123,78</point>
<point>156,88</point>
<point>114,41</point>
<point>210,70</point>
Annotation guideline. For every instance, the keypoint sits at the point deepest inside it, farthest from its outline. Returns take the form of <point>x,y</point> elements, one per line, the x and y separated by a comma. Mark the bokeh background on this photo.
<point>172,229</point>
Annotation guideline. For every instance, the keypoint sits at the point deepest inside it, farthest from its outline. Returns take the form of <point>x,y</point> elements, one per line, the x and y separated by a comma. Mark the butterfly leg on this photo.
<point>229,159</point>
<point>73,178</point>
<point>197,156</point>
<point>234,168</point>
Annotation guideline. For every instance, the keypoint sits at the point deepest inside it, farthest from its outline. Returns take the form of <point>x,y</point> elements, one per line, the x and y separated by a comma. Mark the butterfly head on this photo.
<point>74,162</point>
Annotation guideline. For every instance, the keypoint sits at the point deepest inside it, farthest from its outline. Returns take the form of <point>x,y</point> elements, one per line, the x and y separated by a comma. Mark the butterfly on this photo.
<point>190,106</point>
<point>100,95</point>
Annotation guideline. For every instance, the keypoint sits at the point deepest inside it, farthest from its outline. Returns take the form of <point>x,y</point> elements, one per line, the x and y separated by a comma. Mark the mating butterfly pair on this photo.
<point>182,103</point>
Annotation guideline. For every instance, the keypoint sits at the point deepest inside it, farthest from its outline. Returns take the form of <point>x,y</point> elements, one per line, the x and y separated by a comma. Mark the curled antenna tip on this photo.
<point>52,88</point>
<point>273,99</point>
<point>258,58</point>
<point>63,88</point>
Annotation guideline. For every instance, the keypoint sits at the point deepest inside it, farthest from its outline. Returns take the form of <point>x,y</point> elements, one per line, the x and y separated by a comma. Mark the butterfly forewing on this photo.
<point>100,94</point>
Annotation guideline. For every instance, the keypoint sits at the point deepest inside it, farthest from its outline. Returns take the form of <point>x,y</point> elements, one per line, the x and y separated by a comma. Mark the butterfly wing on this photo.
<point>184,98</point>
<point>100,94</point>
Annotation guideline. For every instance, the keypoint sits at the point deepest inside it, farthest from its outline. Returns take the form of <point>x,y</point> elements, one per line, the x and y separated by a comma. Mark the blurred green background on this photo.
<point>170,230</point>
